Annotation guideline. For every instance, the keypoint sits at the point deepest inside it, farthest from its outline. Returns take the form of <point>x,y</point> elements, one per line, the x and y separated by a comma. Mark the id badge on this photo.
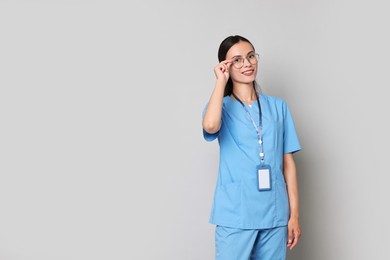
<point>264,177</point>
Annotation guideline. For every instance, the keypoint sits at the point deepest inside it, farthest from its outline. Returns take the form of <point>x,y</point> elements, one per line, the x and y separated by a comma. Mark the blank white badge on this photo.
<point>264,178</point>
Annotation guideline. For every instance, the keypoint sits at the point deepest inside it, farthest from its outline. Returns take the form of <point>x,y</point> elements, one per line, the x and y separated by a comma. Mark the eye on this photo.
<point>252,56</point>
<point>237,60</point>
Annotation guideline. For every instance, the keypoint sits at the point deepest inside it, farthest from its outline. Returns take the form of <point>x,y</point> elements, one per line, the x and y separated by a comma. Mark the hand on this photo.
<point>294,233</point>
<point>222,70</point>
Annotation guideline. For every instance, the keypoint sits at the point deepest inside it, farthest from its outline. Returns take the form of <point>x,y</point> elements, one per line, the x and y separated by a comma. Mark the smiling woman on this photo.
<point>255,212</point>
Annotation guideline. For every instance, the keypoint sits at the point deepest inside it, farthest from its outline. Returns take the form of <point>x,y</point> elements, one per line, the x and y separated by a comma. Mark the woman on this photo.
<point>255,203</point>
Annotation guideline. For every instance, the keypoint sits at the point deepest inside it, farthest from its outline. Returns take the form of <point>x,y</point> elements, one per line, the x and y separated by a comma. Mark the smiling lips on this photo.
<point>248,72</point>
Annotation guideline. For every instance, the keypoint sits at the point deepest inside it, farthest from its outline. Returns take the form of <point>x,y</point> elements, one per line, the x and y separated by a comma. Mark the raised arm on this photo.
<point>212,118</point>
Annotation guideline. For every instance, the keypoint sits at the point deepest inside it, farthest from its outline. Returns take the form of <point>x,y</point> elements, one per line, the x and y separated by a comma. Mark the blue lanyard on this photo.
<point>258,129</point>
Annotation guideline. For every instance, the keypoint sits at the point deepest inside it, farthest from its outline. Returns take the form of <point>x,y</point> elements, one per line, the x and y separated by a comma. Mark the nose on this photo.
<point>246,62</point>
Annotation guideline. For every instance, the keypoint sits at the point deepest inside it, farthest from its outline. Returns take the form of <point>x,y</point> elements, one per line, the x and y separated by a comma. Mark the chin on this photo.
<point>247,80</point>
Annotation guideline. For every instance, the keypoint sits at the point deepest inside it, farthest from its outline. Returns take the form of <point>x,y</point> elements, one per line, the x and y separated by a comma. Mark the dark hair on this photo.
<point>223,49</point>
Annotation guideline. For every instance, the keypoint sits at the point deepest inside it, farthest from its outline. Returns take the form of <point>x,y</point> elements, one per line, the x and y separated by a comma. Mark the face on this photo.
<point>247,73</point>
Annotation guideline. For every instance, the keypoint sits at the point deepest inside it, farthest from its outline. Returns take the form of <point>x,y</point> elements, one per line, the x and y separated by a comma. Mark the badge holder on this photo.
<point>263,170</point>
<point>264,177</point>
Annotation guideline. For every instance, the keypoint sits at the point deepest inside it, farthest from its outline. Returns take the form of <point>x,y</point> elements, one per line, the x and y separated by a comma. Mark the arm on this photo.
<point>290,175</point>
<point>212,117</point>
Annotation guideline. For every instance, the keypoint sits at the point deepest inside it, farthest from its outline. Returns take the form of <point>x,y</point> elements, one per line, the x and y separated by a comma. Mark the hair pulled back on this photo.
<point>224,47</point>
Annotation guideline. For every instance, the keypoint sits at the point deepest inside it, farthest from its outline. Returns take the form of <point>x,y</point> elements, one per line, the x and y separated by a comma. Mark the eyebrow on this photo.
<point>241,56</point>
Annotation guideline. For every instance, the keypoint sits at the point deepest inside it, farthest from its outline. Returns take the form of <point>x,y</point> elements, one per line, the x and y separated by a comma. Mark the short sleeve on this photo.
<point>290,138</point>
<point>207,136</point>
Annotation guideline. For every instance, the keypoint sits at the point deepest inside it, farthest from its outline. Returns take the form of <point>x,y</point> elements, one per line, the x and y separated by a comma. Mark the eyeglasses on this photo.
<point>238,62</point>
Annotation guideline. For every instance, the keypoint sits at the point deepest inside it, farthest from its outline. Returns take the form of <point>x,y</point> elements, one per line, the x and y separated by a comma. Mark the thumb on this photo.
<point>290,237</point>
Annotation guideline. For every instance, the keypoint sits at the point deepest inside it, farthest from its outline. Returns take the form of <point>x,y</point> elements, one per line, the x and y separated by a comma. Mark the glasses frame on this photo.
<point>243,60</point>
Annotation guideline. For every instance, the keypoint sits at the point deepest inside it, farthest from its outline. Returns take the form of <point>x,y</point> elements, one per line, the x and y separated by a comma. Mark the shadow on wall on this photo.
<point>310,209</point>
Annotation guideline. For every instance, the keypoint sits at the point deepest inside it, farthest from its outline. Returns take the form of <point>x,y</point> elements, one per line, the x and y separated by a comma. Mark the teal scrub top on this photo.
<point>238,203</point>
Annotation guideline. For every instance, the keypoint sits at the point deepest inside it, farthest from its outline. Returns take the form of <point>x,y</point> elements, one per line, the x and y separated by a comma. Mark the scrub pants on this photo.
<point>250,244</point>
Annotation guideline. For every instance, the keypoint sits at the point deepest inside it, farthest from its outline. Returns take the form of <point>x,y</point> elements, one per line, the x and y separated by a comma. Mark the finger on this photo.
<point>295,242</point>
<point>289,244</point>
<point>225,68</point>
<point>297,235</point>
<point>290,238</point>
<point>221,67</point>
<point>226,62</point>
<point>229,65</point>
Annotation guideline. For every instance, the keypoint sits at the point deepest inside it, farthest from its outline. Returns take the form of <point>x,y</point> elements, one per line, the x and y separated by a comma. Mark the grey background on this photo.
<point>101,149</point>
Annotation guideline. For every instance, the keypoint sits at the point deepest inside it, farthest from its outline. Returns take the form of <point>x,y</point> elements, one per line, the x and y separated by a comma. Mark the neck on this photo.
<point>245,92</point>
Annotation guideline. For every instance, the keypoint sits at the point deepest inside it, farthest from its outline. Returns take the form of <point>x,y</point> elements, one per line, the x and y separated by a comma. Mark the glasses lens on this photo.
<point>253,58</point>
<point>238,62</point>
